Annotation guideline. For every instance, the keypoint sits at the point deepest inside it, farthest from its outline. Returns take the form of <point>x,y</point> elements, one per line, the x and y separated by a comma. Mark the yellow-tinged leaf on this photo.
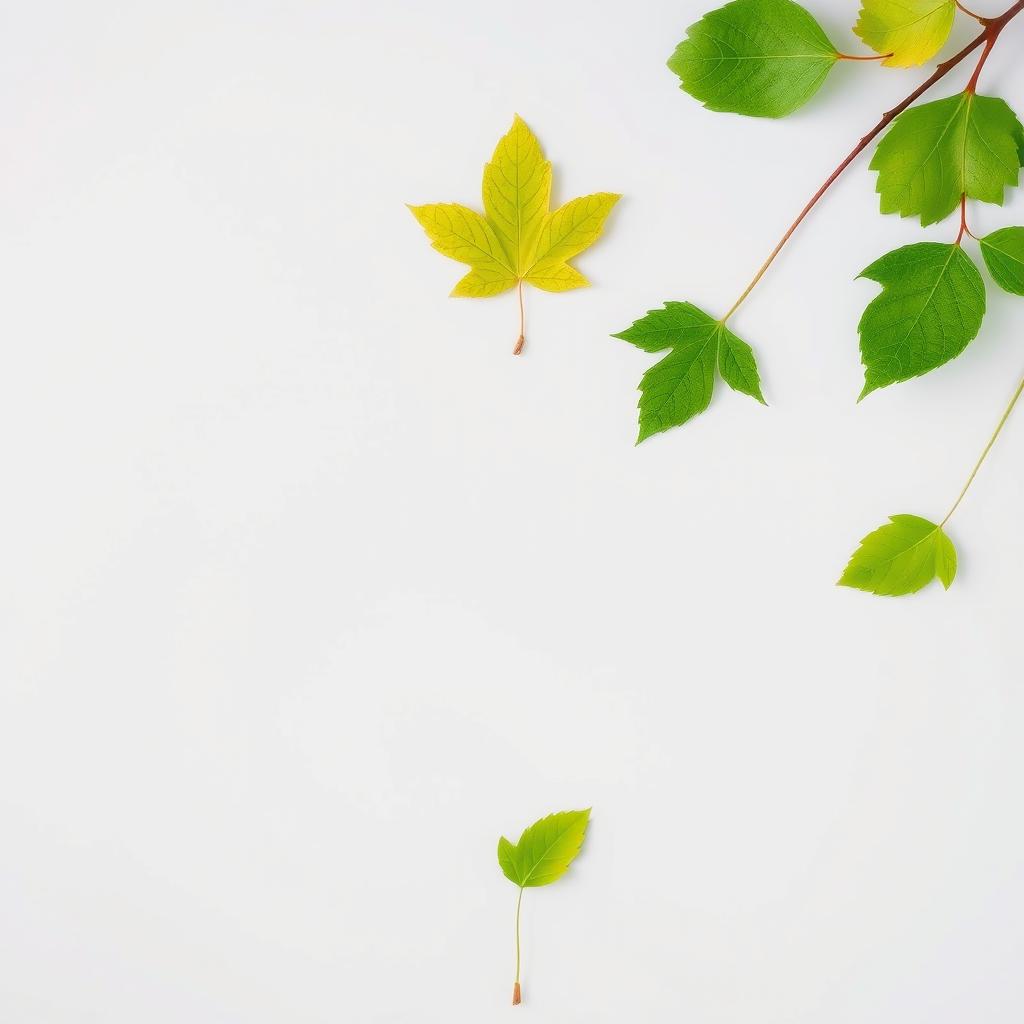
<point>464,235</point>
<point>574,227</point>
<point>910,31</point>
<point>556,276</point>
<point>517,191</point>
<point>482,284</point>
<point>518,241</point>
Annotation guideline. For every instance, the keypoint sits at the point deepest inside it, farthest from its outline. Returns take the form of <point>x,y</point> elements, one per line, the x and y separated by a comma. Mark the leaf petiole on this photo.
<point>521,340</point>
<point>872,56</point>
<point>984,454</point>
<point>964,229</point>
<point>970,14</point>
<point>517,992</point>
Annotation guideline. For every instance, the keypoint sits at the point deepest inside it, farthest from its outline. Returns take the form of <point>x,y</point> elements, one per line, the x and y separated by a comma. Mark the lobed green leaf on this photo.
<point>682,384</point>
<point>937,152</point>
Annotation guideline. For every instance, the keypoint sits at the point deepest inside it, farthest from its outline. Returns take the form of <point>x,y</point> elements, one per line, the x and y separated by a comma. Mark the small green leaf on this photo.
<point>681,385</point>
<point>936,152</point>
<point>1003,251</point>
<point>909,31</point>
<point>763,58</point>
<point>545,850</point>
<point>931,307</point>
<point>901,558</point>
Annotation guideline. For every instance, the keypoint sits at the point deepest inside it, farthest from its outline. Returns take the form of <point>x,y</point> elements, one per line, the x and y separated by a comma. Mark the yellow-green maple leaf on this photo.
<point>909,31</point>
<point>518,240</point>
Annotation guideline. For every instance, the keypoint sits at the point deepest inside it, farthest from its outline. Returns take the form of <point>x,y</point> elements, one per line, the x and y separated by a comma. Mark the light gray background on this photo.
<point>311,590</point>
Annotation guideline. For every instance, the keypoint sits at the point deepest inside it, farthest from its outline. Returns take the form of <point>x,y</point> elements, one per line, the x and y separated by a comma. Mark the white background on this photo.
<point>311,590</point>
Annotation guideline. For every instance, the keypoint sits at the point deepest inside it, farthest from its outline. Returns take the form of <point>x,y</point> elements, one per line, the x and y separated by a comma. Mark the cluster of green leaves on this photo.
<point>767,58</point>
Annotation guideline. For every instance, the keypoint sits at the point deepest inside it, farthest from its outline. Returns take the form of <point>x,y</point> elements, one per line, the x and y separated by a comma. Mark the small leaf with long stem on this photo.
<point>542,856</point>
<point>906,554</point>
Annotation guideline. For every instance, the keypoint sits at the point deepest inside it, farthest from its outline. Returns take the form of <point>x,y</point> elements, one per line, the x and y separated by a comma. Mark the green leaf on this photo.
<point>763,58</point>
<point>901,557</point>
<point>545,850</point>
<point>936,152</point>
<point>909,31</point>
<point>1003,252</point>
<point>681,385</point>
<point>931,307</point>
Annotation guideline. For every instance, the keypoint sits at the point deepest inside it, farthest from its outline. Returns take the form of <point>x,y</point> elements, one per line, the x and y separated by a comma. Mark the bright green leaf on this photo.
<point>1003,251</point>
<point>681,385</point>
<point>936,152</point>
<point>910,31</point>
<point>543,854</point>
<point>901,557</point>
<point>931,306</point>
<point>545,850</point>
<point>764,58</point>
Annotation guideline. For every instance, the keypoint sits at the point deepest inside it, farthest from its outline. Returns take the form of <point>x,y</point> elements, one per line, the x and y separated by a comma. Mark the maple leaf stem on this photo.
<point>517,992</point>
<point>521,340</point>
<point>987,37</point>
<point>984,455</point>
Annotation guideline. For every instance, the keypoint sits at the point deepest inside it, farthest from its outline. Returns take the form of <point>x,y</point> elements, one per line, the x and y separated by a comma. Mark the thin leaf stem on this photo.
<point>872,56</point>
<point>984,454</point>
<point>517,992</point>
<point>993,35</point>
<point>970,14</point>
<point>521,340</point>
<point>964,229</point>
<point>988,36</point>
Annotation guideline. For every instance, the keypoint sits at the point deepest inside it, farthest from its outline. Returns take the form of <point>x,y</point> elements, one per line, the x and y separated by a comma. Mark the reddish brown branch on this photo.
<point>988,36</point>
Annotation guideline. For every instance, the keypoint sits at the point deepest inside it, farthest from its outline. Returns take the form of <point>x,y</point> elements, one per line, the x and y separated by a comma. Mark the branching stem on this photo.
<point>521,340</point>
<point>987,37</point>
<point>984,454</point>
